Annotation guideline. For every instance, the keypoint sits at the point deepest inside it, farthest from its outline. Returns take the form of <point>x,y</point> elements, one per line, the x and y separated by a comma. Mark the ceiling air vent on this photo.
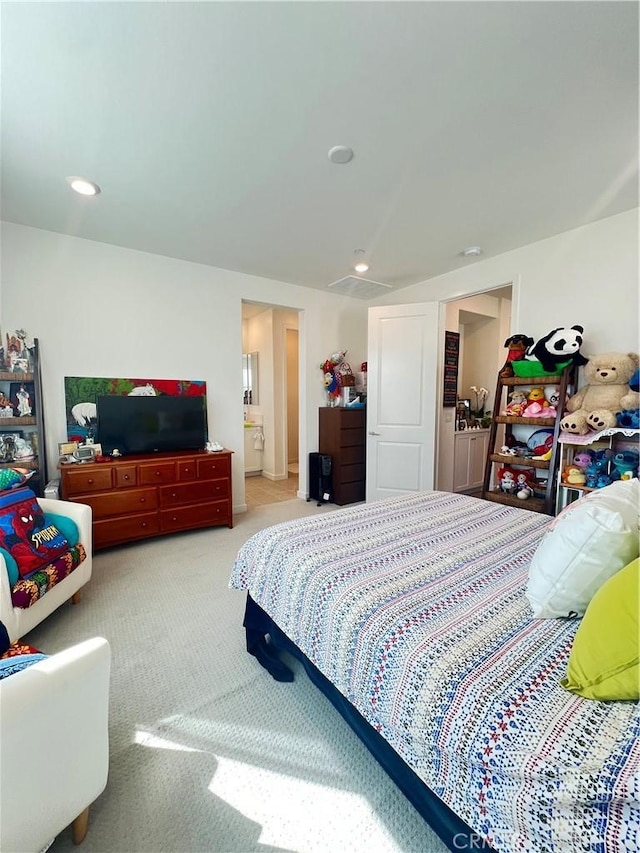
<point>361,288</point>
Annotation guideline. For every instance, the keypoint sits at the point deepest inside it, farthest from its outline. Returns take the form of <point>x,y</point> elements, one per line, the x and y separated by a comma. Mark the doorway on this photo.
<point>271,419</point>
<point>483,321</point>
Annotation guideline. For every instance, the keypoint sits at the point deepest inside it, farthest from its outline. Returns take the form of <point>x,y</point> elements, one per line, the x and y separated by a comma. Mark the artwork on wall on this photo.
<point>80,393</point>
<point>451,354</point>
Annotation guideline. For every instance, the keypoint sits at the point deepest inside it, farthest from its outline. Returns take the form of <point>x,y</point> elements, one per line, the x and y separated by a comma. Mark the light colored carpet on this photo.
<point>207,751</point>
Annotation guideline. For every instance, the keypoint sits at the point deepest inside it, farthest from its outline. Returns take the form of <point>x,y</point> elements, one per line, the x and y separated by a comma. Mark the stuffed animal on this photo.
<point>583,458</point>
<point>557,347</point>
<point>516,348</point>
<point>517,404</point>
<point>630,418</point>
<point>523,488</point>
<point>506,480</point>
<point>573,475</point>
<point>625,463</point>
<point>607,392</point>
<point>537,406</point>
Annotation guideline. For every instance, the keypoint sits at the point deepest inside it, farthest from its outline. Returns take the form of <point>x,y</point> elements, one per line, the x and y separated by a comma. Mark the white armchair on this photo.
<point>19,621</point>
<point>54,746</point>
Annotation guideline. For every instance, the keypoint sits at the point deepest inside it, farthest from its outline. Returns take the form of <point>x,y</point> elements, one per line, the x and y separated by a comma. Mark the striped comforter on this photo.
<point>414,608</point>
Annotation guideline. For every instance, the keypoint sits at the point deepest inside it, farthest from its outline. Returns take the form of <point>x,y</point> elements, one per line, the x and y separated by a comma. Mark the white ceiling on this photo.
<point>208,125</point>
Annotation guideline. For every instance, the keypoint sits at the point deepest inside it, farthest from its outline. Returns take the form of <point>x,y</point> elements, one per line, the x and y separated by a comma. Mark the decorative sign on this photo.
<point>451,354</point>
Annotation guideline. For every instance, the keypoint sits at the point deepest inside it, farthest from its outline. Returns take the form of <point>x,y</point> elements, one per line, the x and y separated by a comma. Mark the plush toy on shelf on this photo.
<point>523,489</point>
<point>573,475</point>
<point>506,480</point>
<point>537,405</point>
<point>625,463</point>
<point>516,348</point>
<point>557,348</point>
<point>607,392</point>
<point>630,418</point>
<point>583,458</point>
<point>517,404</point>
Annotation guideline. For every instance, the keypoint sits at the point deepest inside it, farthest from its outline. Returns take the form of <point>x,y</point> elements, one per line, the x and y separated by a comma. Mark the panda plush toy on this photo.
<point>558,347</point>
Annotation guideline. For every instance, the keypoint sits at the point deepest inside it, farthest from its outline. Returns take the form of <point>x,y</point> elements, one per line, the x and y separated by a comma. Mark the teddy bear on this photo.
<point>607,392</point>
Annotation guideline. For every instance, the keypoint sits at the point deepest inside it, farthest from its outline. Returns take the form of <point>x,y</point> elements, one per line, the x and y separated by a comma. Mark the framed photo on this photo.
<point>8,445</point>
<point>23,399</point>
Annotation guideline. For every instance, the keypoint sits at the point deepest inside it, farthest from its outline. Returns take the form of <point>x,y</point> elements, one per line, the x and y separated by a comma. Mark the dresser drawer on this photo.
<point>214,466</point>
<point>187,470</point>
<point>201,515</point>
<point>352,438</point>
<point>135,526</point>
<point>182,493</point>
<point>349,493</point>
<point>125,476</point>
<point>155,475</point>
<point>93,479</point>
<point>349,473</point>
<point>121,503</point>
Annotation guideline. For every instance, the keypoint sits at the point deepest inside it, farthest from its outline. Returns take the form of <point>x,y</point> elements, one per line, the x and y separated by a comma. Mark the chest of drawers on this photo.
<point>342,435</point>
<point>140,496</point>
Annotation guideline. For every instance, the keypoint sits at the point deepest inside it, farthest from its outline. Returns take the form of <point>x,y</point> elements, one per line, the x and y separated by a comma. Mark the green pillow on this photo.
<point>12,567</point>
<point>65,525</point>
<point>605,659</point>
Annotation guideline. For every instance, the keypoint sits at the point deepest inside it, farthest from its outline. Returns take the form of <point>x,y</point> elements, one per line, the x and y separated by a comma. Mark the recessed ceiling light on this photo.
<point>340,154</point>
<point>83,186</point>
<point>472,251</point>
<point>361,267</point>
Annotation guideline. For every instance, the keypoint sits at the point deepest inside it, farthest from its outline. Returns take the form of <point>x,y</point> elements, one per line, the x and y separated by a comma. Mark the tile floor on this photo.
<point>260,491</point>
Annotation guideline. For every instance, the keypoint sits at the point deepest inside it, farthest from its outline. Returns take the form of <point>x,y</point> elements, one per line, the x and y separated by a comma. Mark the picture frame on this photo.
<point>7,445</point>
<point>15,390</point>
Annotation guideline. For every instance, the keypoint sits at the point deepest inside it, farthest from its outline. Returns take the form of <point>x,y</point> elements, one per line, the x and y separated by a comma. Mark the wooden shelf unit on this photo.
<point>545,504</point>
<point>35,433</point>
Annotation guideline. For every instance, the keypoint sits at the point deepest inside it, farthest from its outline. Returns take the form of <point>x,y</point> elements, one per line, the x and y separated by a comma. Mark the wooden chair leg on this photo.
<point>75,598</point>
<point>80,826</point>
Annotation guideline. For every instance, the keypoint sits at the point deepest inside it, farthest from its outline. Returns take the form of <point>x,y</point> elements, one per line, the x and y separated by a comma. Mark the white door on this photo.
<point>402,399</point>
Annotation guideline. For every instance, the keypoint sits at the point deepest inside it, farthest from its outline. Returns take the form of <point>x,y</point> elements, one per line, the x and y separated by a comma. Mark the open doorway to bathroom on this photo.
<point>271,414</point>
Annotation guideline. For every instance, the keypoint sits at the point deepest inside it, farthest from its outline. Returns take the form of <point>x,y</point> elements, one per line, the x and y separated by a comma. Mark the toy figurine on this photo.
<point>524,489</point>
<point>573,475</point>
<point>506,480</point>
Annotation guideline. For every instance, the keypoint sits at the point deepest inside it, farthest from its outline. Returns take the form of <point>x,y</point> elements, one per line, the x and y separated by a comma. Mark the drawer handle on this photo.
<point>174,518</point>
<point>90,480</point>
<point>126,476</point>
<point>187,470</point>
<point>142,500</point>
<point>157,473</point>
<point>144,524</point>
<point>173,494</point>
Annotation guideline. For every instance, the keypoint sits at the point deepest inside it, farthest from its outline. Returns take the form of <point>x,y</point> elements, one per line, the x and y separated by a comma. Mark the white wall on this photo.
<point>587,276</point>
<point>100,310</point>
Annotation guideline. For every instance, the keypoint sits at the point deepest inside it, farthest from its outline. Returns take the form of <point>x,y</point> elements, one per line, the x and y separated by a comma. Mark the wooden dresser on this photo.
<point>149,495</point>
<point>342,435</point>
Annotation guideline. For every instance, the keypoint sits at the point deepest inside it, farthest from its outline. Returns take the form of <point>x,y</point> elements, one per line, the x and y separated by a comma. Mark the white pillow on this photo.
<point>588,542</point>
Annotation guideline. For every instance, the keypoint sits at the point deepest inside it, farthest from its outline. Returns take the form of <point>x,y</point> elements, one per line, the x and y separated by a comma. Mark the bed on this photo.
<point>411,615</point>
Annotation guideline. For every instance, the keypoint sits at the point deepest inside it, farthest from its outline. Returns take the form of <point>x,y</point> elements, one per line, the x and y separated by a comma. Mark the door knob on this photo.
<point>374,433</point>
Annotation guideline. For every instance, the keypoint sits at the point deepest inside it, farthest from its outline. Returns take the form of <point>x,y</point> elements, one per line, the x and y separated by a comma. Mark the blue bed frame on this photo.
<point>446,824</point>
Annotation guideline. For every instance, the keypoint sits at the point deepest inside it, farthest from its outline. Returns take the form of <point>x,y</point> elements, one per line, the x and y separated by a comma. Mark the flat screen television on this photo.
<point>151,424</point>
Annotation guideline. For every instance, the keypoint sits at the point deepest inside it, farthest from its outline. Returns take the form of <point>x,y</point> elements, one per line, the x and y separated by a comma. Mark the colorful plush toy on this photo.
<point>583,458</point>
<point>558,347</point>
<point>607,392</point>
<point>506,480</point>
<point>516,348</point>
<point>573,475</point>
<point>517,404</point>
<point>537,406</point>
<point>630,418</point>
<point>523,489</point>
<point>332,375</point>
<point>625,463</point>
